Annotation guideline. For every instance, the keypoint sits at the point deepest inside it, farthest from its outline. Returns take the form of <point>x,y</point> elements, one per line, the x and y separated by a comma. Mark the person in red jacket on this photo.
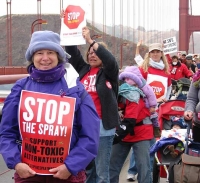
<point>179,70</point>
<point>135,130</point>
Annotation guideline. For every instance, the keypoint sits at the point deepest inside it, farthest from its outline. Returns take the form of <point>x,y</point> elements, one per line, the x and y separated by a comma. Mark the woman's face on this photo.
<point>45,59</point>
<point>155,55</point>
<point>93,59</point>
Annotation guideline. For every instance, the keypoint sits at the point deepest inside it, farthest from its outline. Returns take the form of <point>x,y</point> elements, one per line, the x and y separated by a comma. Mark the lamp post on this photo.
<point>36,22</point>
<point>123,44</point>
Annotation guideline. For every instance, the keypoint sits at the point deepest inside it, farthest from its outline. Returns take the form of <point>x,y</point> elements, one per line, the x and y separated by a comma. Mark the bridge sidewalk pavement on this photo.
<point>6,174</point>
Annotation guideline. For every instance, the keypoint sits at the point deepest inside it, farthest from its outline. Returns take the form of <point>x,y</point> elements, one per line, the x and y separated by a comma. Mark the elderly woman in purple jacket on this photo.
<point>49,75</point>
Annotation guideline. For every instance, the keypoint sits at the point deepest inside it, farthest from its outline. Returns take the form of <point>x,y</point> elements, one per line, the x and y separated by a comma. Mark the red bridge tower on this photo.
<point>187,25</point>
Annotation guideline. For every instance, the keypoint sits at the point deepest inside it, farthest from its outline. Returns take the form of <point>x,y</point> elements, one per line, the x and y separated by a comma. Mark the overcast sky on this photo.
<point>151,14</point>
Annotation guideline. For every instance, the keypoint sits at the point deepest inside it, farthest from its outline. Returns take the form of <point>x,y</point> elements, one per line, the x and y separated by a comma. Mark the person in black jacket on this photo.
<point>99,75</point>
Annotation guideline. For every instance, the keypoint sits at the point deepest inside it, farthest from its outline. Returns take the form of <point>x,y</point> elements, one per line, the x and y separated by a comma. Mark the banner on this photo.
<point>73,22</point>
<point>169,45</point>
<point>45,123</point>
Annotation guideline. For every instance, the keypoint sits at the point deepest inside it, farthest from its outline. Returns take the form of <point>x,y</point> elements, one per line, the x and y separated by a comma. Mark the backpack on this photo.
<point>183,86</point>
<point>186,170</point>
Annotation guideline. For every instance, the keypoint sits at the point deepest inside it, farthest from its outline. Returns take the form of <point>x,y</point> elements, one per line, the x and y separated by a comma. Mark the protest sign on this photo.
<point>45,123</point>
<point>158,84</point>
<point>73,22</point>
<point>169,45</point>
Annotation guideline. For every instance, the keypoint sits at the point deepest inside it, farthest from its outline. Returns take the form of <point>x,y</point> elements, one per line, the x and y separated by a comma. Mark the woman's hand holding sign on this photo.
<point>61,172</point>
<point>62,14</point>
<point>24,170</point>
<point>86,36</point>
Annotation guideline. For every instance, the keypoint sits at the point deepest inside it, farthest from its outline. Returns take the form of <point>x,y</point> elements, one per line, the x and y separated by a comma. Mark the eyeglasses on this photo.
<point>90,53</point>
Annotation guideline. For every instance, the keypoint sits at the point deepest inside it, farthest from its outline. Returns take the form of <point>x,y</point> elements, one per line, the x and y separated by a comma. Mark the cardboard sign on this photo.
<point>73,22</point>
<point>169,45</point>
<point>158,84</point>
<point>45,123</point>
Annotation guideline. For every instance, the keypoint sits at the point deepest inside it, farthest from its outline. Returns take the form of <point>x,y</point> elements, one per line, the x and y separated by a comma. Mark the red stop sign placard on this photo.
<point>74,15</point>
<point>158,88</point>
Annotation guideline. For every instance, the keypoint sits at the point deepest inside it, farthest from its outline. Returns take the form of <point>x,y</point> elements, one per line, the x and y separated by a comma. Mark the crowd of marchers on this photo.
<point>110,111</point>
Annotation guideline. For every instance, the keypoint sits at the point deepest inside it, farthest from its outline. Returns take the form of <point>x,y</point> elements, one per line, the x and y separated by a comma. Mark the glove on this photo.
<point>126,127</point>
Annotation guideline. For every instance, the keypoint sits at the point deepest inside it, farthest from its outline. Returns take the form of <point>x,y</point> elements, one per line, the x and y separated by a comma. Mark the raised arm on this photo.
<point>137,51</point>
<point>138,57</point>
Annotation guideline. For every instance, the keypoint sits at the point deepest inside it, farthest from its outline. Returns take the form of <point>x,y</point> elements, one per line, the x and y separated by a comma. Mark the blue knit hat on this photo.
<point>178,121</point>
<point>129,72</point>
<point>45,40</point>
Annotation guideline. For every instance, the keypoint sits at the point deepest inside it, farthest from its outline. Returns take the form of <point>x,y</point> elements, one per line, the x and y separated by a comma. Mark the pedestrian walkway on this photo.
<point>123,174</point>
<point>6,174</point>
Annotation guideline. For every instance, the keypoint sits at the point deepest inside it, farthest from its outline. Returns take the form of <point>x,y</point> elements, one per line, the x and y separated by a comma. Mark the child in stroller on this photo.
<point>177,124</point>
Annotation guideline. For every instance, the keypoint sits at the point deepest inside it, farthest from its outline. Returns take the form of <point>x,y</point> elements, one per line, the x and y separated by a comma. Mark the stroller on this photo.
<point>162,161</point>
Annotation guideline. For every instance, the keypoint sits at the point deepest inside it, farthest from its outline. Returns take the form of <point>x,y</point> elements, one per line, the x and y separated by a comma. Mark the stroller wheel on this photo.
<point>156,172</point>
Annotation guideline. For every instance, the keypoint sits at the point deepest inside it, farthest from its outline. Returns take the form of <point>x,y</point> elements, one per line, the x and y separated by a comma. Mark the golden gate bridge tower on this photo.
<point>187,24</point>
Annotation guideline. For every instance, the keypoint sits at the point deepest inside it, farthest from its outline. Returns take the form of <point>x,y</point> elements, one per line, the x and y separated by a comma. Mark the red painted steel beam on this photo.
<point>187,25</point>
<point>193,23</point>
<point>183,23</point>
<point>8,79</point>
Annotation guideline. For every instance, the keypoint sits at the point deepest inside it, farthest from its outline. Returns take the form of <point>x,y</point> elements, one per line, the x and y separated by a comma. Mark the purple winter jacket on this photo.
<point>150,99</point>
<point>85,134</point>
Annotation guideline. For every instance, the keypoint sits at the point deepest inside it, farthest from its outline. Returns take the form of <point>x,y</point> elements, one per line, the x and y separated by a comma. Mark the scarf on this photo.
<point>130,92</point>
<point>46,76</point>
<point>158,65</point>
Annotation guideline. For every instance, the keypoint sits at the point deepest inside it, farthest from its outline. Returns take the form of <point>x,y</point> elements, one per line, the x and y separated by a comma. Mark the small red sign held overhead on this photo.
<point>74,16</point>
